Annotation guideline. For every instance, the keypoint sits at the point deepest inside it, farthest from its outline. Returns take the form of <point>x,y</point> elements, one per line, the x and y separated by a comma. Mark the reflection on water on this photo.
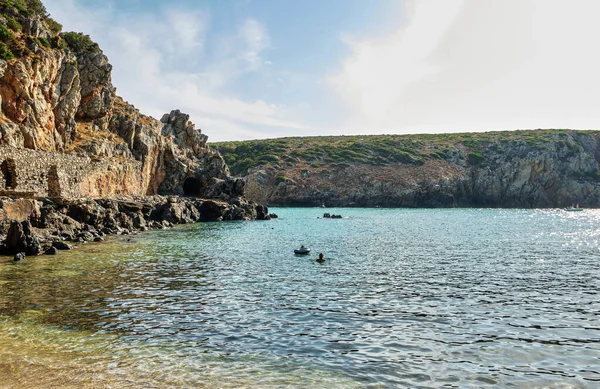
<point>407,298</point>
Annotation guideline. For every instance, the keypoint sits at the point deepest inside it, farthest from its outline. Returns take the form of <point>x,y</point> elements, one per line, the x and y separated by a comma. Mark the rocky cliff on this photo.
<point>537,168</point>
<point>65,132</point>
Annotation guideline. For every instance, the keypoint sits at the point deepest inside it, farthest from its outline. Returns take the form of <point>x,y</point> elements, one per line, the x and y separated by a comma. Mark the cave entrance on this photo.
<point>192,187</point>
<point>9,171</point>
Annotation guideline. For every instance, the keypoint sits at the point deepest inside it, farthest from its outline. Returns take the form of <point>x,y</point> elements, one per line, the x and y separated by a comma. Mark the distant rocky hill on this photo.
<point>535,168</point>
<point>65,132</point>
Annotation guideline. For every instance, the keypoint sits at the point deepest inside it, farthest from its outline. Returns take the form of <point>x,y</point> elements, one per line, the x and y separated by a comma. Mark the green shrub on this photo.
<point>53,25</point>
<point>42,41</point>
<point>57,42</point>
<point>6,35</point>
<point>18,5</point>
<point>436,155</point>
<point>13,24</point>
<point>80,42</point>
<point>471,142</point>
<point>5,52</point>
<point>26,7</point>
<point>475,158</point>
<point>268,158</point>
<point>36,7</point>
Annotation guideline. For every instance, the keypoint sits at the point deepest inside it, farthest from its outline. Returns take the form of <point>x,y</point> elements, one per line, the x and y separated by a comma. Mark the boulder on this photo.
<point>19,239</point>
<point>51,251</point>
<point>14,236</point>
<point>61,246</point>
<point>86,236</point>
<point>211,210</point>
<point>262,212</point>
<point>32,245</point>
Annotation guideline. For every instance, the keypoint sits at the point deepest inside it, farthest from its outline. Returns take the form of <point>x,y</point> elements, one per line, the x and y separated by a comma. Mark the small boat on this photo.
<point>302,250</point>
<point>573,209</point>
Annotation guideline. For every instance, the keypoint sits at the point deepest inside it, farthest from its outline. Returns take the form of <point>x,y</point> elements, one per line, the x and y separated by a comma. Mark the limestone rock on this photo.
<point>184,133</point>
<point>62,113</point>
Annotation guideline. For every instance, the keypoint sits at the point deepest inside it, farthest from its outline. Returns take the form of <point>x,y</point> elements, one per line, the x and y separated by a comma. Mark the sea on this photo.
<point>406,298</point>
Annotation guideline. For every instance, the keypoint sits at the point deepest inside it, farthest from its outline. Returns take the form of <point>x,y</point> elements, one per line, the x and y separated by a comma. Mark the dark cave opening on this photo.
<point>192,187</point>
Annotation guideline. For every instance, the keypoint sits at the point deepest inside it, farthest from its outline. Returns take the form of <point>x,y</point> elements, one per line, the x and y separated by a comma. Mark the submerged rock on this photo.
<point>51,251</point>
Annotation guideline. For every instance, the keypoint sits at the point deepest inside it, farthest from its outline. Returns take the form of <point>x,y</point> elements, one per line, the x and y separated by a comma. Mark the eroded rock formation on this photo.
<point>525,169</point>
<point>34,225</point>
<point>78,162</point>
<point>60,110</point>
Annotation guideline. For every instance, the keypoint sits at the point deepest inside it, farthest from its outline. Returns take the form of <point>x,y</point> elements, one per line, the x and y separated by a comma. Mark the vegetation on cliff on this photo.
<point>26,25</point>
<point>525,168</point>
<point>380,150</point>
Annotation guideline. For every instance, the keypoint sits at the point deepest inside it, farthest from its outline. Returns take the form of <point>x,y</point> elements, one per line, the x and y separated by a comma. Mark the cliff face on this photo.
<point>64,131</point>
<point>538,168</point>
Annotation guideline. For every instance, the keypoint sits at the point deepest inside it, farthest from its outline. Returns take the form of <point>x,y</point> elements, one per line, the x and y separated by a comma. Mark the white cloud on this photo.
<point>160,62</point>
<point>255,39</point>
<point>477,65</point>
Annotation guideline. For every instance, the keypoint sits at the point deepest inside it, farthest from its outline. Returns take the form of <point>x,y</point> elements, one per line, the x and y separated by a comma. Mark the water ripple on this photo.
<point>406,298</point>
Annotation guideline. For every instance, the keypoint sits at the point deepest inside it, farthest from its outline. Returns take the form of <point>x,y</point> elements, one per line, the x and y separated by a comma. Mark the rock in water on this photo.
<point>32,245</point>
<point>19,257</point>
<point>51,251</point>
<point>15,237</point>
<point>61,246</point>
<point>20,240</point>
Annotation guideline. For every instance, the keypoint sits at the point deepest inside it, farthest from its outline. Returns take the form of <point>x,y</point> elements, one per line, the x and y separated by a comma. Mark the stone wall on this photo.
<point>41,173</point>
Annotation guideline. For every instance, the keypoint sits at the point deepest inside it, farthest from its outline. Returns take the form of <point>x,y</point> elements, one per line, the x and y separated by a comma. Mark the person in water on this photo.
<point>321,259</point>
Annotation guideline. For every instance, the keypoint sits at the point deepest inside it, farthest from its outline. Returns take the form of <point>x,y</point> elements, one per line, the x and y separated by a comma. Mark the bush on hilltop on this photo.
<point>79,42</point>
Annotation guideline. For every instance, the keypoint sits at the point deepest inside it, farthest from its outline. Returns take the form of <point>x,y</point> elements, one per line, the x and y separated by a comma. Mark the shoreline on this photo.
<point>45,225</point>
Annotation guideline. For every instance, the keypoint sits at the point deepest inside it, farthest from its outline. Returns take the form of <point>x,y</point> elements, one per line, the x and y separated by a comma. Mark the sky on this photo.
<point>255,69</point>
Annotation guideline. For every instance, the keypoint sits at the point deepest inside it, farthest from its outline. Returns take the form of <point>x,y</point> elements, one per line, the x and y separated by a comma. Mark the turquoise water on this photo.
<point>406,298</point>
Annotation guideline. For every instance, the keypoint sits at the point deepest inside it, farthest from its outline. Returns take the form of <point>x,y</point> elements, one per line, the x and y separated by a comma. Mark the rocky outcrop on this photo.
<point>58,103</point>
<point>54,220</point>
<point>547,169</point>
<point>20,239</point>
<point>40,96</point>
<point>78,162</point>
